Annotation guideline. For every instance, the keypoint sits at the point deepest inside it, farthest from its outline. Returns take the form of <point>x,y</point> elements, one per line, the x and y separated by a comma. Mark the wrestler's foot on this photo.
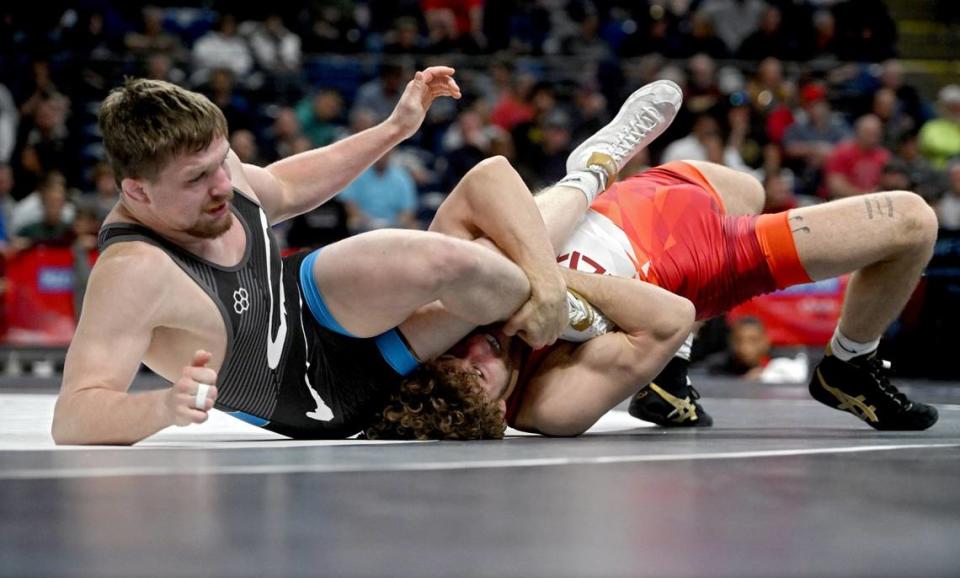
<point>862,387</point>
<point>669,400</point>
<point>642,118</point>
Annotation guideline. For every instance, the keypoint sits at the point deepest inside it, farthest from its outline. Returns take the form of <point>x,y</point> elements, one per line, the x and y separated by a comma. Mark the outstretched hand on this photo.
<point>420,93</point>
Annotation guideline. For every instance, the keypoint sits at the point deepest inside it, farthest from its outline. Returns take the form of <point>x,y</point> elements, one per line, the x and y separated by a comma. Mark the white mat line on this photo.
<point>155,471</point>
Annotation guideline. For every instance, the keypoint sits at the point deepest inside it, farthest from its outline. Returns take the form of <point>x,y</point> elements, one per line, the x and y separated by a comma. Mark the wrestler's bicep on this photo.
<point>115,327</point>
<point>576,385</point>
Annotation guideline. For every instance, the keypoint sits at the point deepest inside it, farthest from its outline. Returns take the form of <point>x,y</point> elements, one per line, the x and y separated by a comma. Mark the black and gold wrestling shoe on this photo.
<point>669,400</point>
<point>862,387</point>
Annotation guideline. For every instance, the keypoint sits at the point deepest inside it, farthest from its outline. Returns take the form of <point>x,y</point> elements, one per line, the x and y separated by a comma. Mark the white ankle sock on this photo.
<point>590,182</point>
<point>684,351</point>
<point>846,349</point>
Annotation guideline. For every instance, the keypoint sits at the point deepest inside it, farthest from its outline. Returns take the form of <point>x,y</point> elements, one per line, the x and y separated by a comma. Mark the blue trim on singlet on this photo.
<point>250,419</point>
<point>391,345</point>
<point>395,352</point>
<point>314,300</point>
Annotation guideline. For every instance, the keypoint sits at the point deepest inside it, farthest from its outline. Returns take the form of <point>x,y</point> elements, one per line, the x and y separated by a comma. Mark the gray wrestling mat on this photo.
<point>781,486</point>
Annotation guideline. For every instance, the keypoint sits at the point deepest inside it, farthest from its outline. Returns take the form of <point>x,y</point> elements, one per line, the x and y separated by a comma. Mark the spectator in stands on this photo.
<point>466,143</point>
<point>223,48</point>
<point>702,143</point>
<point>770,39</point>
<point>320,115</point>
<point>589,112</point>
<point>331,25</point>
<point>584,39</point>
<point>940,137</point>
<point>929,183</point>
<point>823,43</point>
<point>895,176</point>
<point>380,95</point>
<point>404,37</point>
<point>220,89</point>
<point>47,145</point>
<point>657,33</point>
<point>887,107</point>
<point>454,24</point>
<point>151,38</point>
<point>855,166</point>
<point>748,350</point>
<point>9,120</point>
<point>244,143</point>
<point>277,52</point>
<point>948,207</point>
<point>779,192</point>
<point>702,39</point>
<point>284,133</point>
<point>105,193</point>
<point>52,228</point>
<point>912,104</point>
<point>528,137</point>
<point>812,137</point>
<point>382,196</point>
<point>701,92</point>
<point>30,210</point>
<point>161,67</point>
<point>733,20</point>
<point>513,106</point>
<point>769,88</point>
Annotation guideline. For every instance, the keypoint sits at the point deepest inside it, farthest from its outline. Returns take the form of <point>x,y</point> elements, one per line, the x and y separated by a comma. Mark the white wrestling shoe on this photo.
<point>642,118</point>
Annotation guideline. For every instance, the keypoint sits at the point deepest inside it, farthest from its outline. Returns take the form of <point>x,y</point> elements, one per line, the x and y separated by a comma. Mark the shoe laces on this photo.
<point>878,368</point>
<point>638,127</point>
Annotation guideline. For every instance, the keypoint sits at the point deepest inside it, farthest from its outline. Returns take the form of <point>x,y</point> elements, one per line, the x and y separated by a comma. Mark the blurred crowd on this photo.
<point>817,109</point>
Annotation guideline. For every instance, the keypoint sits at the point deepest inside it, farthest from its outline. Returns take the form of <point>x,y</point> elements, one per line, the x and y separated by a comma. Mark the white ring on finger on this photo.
<point>200,401</point>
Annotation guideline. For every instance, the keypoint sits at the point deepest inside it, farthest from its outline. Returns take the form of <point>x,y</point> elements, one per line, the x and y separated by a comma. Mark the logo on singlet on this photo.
<point>241,300</point>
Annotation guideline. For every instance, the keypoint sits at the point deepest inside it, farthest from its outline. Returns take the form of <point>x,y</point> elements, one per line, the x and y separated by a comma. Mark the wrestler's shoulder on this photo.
<point>133,260</point>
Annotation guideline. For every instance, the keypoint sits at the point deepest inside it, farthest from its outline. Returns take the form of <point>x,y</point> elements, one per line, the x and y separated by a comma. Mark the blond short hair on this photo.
<point>147,123</point>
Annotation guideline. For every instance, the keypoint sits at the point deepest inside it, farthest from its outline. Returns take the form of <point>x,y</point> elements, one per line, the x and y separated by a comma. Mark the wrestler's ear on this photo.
<point>133,190</point>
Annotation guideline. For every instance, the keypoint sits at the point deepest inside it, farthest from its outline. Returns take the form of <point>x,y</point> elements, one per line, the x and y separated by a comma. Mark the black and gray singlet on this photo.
<point>282,369</point>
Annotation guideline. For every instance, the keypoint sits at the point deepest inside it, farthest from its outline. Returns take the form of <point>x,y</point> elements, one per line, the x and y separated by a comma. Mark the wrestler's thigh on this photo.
<point>374,281</point>
<point>848,234</point>
<point>742,193</point>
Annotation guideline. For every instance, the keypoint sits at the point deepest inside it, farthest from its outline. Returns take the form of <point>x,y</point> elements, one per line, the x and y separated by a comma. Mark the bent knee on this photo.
<point>676,322</point>
<point>917,223</point>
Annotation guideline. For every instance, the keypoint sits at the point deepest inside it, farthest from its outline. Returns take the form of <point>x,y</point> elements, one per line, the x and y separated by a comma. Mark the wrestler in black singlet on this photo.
<point>282,370</point>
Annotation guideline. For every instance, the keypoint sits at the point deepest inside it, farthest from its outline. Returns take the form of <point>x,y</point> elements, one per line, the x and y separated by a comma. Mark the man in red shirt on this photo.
<point>855,166</point>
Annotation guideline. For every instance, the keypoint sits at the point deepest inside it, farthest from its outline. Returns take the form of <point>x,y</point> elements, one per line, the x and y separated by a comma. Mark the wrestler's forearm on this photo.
<point>634,306</point>
<point>311,178</point>
<point>493,201</point>
<point>107,417</point>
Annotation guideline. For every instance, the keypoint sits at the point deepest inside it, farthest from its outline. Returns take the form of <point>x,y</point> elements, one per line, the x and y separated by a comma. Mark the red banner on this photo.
<point>38,301</point>
<point>800,315</point>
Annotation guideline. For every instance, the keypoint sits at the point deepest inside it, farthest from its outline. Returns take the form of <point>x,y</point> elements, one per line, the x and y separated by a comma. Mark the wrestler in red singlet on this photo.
<point>668,226</point>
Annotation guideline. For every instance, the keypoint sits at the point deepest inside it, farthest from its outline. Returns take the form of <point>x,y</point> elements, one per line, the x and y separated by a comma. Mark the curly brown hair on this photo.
<point>437,403</point>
